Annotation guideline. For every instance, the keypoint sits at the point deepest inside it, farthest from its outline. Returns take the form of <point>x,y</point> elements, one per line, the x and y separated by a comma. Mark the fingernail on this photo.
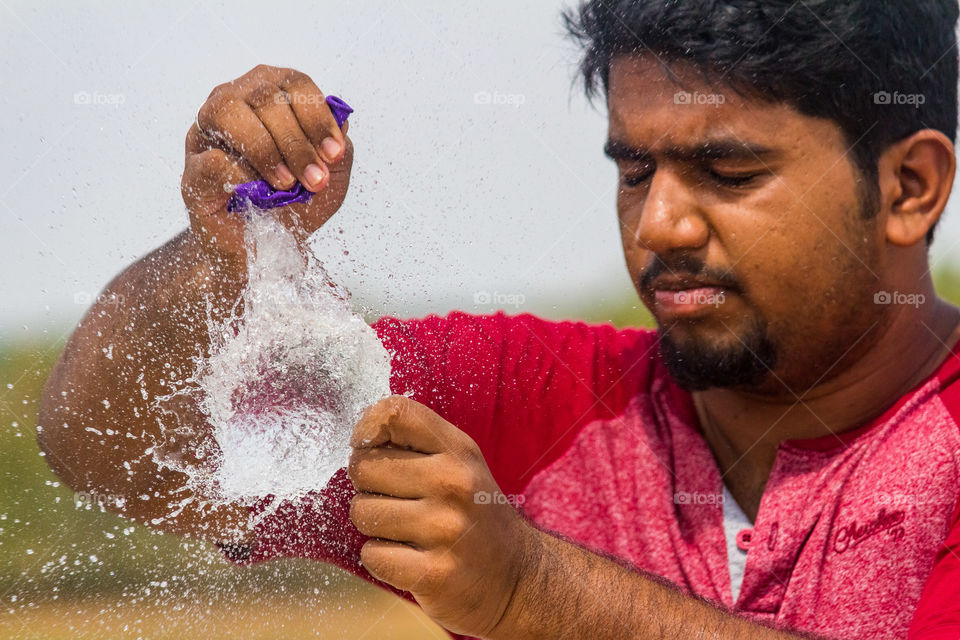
<point>314,175</point>
<point>330,148</point>
<point>284,175</point>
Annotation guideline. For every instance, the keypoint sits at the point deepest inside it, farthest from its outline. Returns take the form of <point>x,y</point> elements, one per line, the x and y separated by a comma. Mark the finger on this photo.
<point>395,563</point>
<point>413,522</point>
<point>233,122</point>
<point>205,176</point>
<point>392,472</point>
<point>314,115</point>
<point>407,423</point>
<point>270,103</point>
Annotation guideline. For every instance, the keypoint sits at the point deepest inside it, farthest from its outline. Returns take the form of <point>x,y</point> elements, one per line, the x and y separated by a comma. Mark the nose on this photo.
<point>666,218</point>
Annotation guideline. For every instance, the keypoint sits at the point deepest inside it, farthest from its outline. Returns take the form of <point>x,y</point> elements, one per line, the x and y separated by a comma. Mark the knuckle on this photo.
<point>210,164</point>
<point>398,405</point>
<point>353,468</point>
<point>440,569</point>
<point>294,77</point>
<point>360,465</point>
<point>395,400</point>
<point>219,92</point>
<point>451,528</point>
<point>457,484</point>
<point>465,448</point>
<point>371,557</point>
<point>384,409</point>
<point>359,510</point>
<point>263,95</point>
<point>262,70</point>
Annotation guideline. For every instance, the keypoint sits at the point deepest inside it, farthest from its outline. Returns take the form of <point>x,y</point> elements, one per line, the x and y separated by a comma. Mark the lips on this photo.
<point>676,296</point>
<point>683,284</point>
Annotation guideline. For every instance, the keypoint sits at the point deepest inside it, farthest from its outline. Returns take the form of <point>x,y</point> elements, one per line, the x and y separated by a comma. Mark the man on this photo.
<point>782,168</point>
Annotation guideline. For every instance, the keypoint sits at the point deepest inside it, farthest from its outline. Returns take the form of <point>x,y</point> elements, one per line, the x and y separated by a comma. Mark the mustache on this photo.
<point>685,265</point>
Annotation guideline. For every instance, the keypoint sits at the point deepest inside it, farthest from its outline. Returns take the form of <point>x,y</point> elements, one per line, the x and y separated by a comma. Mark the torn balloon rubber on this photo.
<point>258,194</point>
<point>341,110</point>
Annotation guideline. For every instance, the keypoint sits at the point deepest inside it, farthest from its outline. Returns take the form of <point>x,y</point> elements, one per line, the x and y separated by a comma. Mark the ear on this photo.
<point>916,176</point>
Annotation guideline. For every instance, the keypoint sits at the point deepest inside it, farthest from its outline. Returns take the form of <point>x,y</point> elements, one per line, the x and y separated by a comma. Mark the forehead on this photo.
<point>653,107</point>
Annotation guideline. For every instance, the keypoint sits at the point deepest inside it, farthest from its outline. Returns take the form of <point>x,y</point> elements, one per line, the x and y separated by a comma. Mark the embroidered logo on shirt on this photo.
<point>851,535</point>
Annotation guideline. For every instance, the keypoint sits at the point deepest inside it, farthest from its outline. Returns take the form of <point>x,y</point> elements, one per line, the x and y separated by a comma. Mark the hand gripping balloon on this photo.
<point>260,195</point>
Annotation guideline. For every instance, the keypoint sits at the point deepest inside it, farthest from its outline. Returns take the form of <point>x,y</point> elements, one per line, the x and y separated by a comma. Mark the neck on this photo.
<point>744,429</point>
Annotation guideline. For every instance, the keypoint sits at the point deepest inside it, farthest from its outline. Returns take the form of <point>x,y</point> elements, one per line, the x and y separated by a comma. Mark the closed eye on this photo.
<point>635,179</point>
<point>732,180</point>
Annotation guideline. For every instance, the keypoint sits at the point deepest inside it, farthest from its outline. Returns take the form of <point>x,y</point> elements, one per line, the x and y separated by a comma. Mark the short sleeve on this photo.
<point>937,616</point>
<point>520,386</point>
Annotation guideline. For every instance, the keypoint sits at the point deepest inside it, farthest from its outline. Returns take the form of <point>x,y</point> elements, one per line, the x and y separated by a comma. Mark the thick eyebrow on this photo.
<point>718,149</point>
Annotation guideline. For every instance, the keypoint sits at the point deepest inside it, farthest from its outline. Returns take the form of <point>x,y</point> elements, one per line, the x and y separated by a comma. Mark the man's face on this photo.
<point>743,231</point>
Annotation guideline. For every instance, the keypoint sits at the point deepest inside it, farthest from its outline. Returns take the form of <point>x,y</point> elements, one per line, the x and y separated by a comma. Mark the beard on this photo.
<point>701,363</point>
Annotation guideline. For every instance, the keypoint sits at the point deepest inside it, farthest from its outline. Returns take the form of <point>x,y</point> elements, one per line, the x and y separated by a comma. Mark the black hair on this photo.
<point>880,69</point>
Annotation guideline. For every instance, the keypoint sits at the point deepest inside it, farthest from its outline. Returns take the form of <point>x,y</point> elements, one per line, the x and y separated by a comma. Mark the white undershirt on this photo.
<point>734,521</point>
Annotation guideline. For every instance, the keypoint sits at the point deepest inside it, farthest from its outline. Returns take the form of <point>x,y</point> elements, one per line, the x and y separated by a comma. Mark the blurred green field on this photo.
<point>70,569</point>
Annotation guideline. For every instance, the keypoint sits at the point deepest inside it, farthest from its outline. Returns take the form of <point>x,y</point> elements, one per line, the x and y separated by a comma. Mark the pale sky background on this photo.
<point>450,197</point>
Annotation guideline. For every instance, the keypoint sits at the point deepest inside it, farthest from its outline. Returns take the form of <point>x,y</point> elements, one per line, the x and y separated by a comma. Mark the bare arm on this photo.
<point>99,417</point>
<point>98,414</point>
<point>568,591</point>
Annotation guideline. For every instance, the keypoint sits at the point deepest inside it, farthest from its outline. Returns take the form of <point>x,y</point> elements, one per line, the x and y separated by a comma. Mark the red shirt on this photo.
<point>857,534</point>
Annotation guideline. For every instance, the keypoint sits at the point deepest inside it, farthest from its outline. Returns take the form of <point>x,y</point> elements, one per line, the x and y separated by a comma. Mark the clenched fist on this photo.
<point>423,497</point>
<point>269,124</point>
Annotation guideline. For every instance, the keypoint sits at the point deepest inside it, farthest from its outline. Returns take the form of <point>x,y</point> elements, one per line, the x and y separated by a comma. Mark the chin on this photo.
<point>698,357</point>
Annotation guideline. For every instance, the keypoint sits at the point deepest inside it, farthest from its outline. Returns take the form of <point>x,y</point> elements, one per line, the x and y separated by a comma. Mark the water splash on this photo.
<point>285,381</point>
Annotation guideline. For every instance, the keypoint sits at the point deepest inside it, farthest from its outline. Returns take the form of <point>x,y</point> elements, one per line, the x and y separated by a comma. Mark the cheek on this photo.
<point>803,279</point>
<point>627,223</point>
<point>772,256</point>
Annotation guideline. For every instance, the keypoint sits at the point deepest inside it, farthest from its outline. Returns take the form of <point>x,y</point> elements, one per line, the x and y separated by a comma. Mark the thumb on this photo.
<point>404,423</point>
